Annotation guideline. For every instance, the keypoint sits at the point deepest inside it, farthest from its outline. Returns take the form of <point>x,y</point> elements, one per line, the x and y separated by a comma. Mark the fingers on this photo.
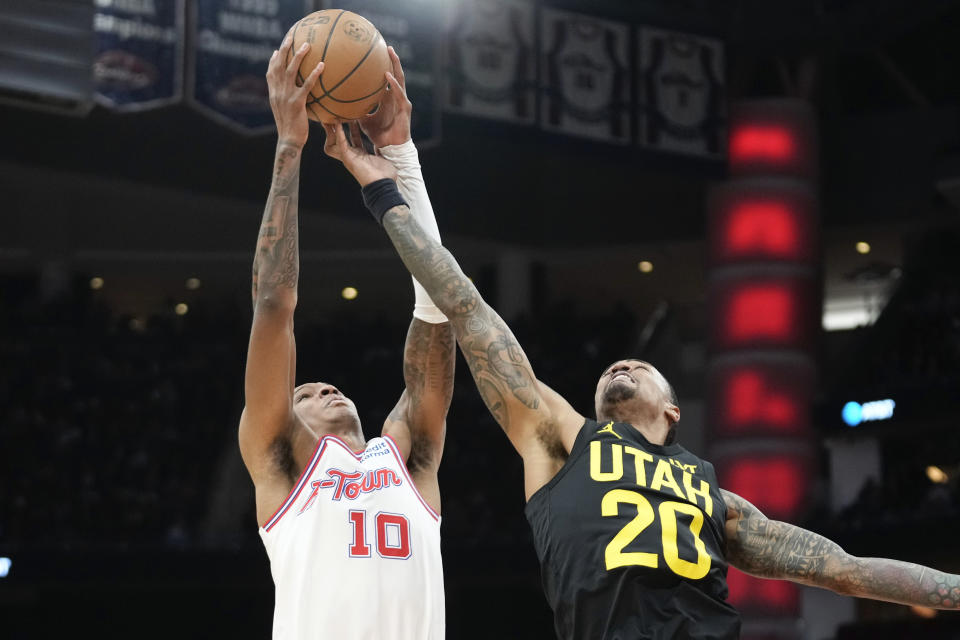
<point>356,137</point>
<point>395,87</point>
<point>336,145</point>
<point>397,69</point>
<point>340,137</point>
<point>311,79</point>
<point>294,65</point>
<point>279,56</point>
<point>398,96</point>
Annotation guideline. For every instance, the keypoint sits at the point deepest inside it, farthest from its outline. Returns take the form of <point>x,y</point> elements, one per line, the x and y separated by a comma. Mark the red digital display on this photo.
<point>757,595</point>
<point>761,312</point>
<point>764,143</point>
<point>762,220</point>
<point>761,397</point>
<point>775,484</point>
<point>775,137</point>
<point>765,226</point>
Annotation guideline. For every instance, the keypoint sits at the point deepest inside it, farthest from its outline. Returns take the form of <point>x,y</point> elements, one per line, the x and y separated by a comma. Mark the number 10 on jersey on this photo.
<point>391,531</point>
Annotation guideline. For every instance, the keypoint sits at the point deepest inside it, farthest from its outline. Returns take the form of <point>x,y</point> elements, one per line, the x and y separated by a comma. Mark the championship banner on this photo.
<point>413,29</point>
<point>230,45</point>
<point>682,82</point>
<point>585,76</point>
<point>138,62</point>
<point>491,60</point>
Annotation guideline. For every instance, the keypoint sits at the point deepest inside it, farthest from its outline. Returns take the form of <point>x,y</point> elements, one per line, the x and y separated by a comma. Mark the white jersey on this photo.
<point>355,550</point>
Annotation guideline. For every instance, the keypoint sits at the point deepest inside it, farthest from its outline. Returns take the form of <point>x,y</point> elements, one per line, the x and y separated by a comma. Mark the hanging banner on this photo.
<point>414,29</point>
<point>682,86</point>
<point>230,46</point>
<point>138,63</point>
<point>490,60</point>
<point>584,76</point>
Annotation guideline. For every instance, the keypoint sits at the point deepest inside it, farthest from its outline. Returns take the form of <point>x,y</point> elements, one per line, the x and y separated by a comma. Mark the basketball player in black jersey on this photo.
<point>634,535</point>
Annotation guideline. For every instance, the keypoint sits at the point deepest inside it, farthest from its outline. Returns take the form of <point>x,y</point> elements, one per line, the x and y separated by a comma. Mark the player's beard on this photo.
<point>617,393</point>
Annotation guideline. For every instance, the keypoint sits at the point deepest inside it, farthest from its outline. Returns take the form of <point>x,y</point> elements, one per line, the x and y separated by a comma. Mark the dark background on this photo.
<point>122,505</point>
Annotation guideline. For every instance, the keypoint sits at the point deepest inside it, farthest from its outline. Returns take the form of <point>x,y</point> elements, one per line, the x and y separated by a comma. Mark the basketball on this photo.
<point>355,58</point>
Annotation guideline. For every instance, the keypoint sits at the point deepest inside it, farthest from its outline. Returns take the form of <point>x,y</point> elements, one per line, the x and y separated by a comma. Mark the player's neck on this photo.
<point>349,432</point>
<point>654,433</point>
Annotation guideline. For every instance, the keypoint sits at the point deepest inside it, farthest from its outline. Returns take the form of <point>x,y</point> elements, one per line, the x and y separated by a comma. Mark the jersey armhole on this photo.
<point>297,487</point>
<point>575,452</point>
<point>395,449</point>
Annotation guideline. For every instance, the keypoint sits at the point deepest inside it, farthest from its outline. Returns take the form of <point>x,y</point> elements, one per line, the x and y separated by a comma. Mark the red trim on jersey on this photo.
<point>298,485</point>
<point>305,475</point>
<point>403,466</point>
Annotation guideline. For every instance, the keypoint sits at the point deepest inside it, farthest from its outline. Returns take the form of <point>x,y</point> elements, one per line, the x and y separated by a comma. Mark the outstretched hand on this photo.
<point>362,165</point>
<point>288,101</point>
<point>390,123</point>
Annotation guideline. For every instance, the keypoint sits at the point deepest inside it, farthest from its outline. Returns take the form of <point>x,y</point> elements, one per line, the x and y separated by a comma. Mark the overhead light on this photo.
<point>96,283</point>
<point>349,293</point>
<point>645,266</point>
<point>937,475</point>
<point>5,564</point>
<point>923,612</point>
<point>863,247</point>
<point>193,284</point>
<point>181,309</point>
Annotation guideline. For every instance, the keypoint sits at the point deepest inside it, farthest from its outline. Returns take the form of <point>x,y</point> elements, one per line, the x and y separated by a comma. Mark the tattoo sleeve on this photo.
<point>428,367</point>
<point>498,364</point>
<point>773,549</point>
<point>276,263</point>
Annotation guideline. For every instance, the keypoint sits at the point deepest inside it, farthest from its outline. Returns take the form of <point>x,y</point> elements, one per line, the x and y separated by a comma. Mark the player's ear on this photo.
<point>672,412</point>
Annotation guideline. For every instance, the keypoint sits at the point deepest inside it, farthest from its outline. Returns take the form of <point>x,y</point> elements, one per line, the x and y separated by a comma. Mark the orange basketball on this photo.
<point>355,58</point>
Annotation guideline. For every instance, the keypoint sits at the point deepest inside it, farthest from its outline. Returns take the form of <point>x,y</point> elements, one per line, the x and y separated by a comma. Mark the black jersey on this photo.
<point>630,537</point>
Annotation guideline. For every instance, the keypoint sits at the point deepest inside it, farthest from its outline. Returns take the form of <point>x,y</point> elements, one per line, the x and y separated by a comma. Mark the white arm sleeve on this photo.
<point>413,189</point>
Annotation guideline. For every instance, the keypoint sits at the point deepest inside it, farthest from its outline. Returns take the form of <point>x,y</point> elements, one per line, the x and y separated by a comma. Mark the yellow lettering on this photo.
<point>668,522</point>
<point>663,476</point>
<point>606,476</point>
<point>703,492</point>
<point>639,457</point>
<point>692,468</point>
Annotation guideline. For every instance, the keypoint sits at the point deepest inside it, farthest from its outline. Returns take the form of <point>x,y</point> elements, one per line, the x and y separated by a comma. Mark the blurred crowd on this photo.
<point>114,428</point>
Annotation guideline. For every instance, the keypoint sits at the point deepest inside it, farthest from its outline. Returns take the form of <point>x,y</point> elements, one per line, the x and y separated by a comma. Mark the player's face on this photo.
<point>320,401</point>
<point>633,381</point>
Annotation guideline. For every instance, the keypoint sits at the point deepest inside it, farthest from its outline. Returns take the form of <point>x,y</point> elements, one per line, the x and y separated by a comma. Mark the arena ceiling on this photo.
<point>883,81</point>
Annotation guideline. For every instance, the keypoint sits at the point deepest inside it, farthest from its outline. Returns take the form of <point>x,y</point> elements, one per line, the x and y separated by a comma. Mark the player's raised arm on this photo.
<point>271,358</point>
<point>527,412</point>
<point>771,549</point>
<point>418,421</point>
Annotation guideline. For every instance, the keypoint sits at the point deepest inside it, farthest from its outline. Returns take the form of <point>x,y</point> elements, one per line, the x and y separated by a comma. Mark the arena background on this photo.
<point>125,252</point>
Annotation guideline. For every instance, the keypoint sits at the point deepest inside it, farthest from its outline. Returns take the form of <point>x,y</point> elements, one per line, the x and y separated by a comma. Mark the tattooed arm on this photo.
<point>418,421</point>
<point>265,425</point>
<point>536,420</point>
<point>771,549</point>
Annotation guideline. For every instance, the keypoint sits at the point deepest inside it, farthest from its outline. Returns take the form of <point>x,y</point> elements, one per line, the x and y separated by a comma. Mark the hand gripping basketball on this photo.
<point>390,123</point>
<point>287,100</point>
<point>363,166</point>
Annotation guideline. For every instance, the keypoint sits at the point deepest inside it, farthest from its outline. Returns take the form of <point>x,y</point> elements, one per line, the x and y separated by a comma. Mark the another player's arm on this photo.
<point>499,366</point>
<point>267,417</point>
<point>533,417</point>
<point>771,549</point>
<point>418,422</point>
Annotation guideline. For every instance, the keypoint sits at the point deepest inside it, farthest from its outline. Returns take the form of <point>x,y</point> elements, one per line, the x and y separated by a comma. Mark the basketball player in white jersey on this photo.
<point>351,527</point>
